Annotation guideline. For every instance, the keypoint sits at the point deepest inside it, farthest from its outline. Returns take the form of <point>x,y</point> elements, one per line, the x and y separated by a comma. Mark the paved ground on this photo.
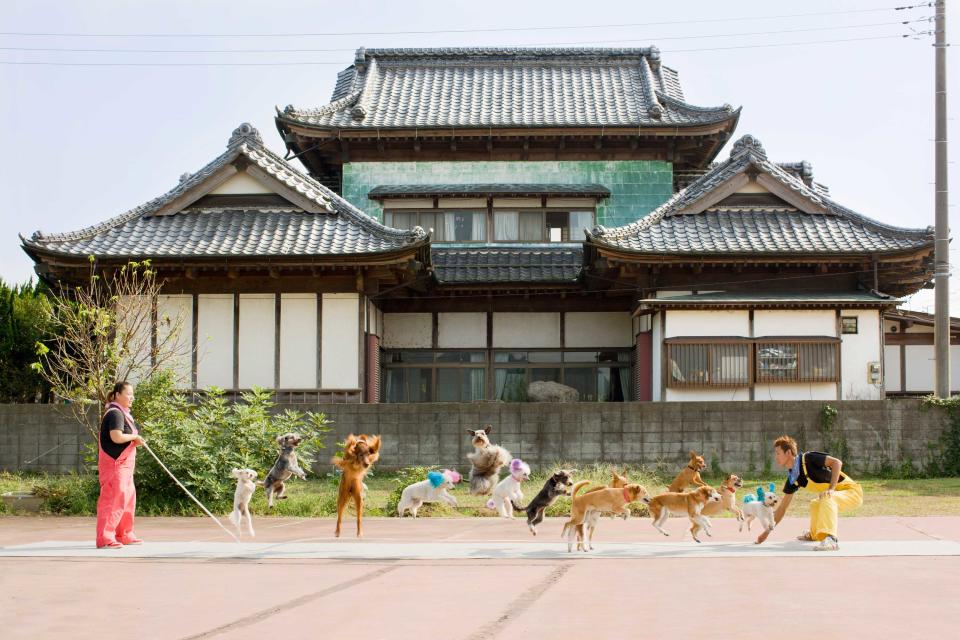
<point>474,579</point>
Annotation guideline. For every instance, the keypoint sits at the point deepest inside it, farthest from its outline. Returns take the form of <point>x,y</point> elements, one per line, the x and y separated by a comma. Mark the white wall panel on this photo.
<point>601,329</point>
<point>796,391</point>
<point>795,323</point>
<point>215,340</point>
<point>258,323</point>
<point>920,367</point>
<point>858,349</point>
<point>891,363</point>
<point>683,323</point>
<point>298,341</point>
<point>462,330</point>
<point>526,330</point>
<point>340,343</point>
<point>175,316</point>
<point>407,330</point>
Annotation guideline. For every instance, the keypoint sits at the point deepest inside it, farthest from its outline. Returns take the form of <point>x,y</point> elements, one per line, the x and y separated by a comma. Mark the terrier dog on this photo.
<point>246,485</point>
<point>689,504</point>
<point>508,490</point>
<point>487,459</point>
<point>359,454</point>
<point>690,474</point>
<point>556,485</point>
<point>728,498</point>
<point>760,508</point>
<point>433,489</point>
<point>604,499</point>
<point>285,466</point>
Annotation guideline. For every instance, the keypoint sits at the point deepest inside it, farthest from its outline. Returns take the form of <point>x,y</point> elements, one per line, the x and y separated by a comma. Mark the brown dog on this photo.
<point>728,498</point>
<point>603,500</point>
<point>689,504</point>
<point>359,454</point>
<point>690,474</point>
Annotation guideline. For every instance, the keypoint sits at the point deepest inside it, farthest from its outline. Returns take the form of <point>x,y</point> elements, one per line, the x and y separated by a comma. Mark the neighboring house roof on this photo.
<point>802,219</point>
<point>506,87</point>
<point>317,221</point>
<point>414,190</point>
<point>742,299</point>
<point>556,264</point>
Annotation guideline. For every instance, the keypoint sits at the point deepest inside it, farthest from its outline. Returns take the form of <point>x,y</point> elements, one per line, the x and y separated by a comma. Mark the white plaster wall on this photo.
<point>407,330</point>
<point>241,183</point>
<point>215,340</point>
<point>672,294</point>
<point>340,345</point>
<point>175,315</point>
<point>657,348</point>
<point>134,316</point>
<point>858,349</point>
<point>920,367</point>
<point>682,323</point>
<point>706,395</point>
<point>257,340</point>
<point>601,329</point>
<point>526,330</point>
<point>891,363</point>
<point>954,368</point>
<point>462,330</point>
<point>298,341</point>
<point>795,323</point>
<point>796,391</point>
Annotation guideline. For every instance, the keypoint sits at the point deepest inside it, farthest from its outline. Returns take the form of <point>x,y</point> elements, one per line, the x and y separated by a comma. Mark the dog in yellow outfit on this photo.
<point>818,473</point>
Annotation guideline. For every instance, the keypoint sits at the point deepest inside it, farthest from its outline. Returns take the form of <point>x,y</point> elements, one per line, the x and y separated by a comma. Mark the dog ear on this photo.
<point>279,439</point>
<point>471,431</point>
<point>487,429</point>
<point>235,473</point>
<point>693,454</point>
<point>374,444</point>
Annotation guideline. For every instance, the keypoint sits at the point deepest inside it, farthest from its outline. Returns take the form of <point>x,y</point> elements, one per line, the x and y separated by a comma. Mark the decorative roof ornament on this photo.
<point>655,111</point>
<point>185,176</point>
<point>246,132</point>
<point>289,109</point>
<point>358,113</point>
<point>360,59</point>
<point>748,143</point>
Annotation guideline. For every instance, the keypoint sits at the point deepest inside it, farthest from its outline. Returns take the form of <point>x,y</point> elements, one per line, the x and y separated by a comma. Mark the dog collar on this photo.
<point>731,489</point>
<point>691,468</point>
<point>626,495</point>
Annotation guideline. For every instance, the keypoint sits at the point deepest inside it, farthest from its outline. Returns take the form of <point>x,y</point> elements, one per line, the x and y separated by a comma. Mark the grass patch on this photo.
<point>77,495</point>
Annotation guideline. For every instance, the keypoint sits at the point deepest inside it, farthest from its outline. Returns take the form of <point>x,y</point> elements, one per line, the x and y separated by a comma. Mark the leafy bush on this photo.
<point>201,442</point>
<point>403,478</point>
<point>24,320</point>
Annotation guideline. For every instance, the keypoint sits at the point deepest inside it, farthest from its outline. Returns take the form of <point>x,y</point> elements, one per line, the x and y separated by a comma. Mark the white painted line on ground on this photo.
<point>478,550</point>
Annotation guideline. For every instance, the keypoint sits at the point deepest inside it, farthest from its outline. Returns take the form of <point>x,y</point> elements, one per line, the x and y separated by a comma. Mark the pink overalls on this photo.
<point>118,497</point>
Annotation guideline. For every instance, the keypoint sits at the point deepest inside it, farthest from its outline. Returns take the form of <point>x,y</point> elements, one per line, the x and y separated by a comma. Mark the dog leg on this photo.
<point>249,521</point>
<point>537,519</point>
<point>358,503</point>
<point>341,507</point>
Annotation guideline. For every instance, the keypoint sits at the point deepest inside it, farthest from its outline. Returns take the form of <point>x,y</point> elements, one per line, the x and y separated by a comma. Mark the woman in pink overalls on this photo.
<point>119,439</point>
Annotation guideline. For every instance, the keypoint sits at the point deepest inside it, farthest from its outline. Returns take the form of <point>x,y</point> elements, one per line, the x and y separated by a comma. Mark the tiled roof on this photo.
<point>506,87</point>
<point>741,298</point>
<point>387,191</point>
<point>507,263</point>
<point>336,228</point>
<point>823,227</point>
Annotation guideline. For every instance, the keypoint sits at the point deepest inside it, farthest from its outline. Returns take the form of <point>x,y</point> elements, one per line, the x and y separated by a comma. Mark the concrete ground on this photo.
<point>473,579</point>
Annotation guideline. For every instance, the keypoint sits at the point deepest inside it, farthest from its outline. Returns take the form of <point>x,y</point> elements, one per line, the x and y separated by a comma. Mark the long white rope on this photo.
<point>187,491</point>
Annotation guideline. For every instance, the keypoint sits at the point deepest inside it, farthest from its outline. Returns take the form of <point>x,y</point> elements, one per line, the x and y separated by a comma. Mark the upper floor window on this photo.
<point>448,226</point>
<point>520,225</point>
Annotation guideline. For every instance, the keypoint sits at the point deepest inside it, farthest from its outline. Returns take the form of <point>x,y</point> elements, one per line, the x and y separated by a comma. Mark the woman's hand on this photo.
<point>138,441</point>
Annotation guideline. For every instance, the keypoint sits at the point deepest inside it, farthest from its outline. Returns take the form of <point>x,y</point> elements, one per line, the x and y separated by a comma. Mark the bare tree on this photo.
<point>105,331</point>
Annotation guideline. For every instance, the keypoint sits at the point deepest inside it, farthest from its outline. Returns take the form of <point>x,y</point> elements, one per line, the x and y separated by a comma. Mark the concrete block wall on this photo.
<point>636,186</point>
<point>737,436</point>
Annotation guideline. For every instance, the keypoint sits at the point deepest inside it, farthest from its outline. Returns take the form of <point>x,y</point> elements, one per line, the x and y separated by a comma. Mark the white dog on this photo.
<point>433,489</point>
<point>246,484</point>
<point>508,490</point>
<point>760,507</point>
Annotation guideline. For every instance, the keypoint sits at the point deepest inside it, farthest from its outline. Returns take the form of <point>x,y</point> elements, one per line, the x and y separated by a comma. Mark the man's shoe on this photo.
<point>828,544</point>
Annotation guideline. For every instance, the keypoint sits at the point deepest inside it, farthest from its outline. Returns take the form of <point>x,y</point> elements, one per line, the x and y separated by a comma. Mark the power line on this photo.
<point>439,31</point>
<point>345,63</point>
<point>539,44</point>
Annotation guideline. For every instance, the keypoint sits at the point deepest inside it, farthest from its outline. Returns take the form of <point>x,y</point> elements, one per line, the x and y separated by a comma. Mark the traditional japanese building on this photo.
<point>471,220</point>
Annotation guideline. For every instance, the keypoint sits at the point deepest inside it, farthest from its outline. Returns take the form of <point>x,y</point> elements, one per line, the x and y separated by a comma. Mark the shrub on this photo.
<point>201,442</point>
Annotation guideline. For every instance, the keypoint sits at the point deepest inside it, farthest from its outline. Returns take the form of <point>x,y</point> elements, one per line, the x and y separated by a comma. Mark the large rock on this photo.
<point>551,392</point>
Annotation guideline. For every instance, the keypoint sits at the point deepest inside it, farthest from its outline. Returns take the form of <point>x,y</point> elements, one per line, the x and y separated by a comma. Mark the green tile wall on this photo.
<point>636,186</point>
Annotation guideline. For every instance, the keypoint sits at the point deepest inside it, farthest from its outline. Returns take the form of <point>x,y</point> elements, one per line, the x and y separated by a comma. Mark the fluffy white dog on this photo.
<point>246,484</point>
<point>760,507</point>
<point>433,489</point>
<point>509,490</point>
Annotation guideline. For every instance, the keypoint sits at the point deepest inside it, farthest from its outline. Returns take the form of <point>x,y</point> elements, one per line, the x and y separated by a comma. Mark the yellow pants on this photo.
<point>824,511</point>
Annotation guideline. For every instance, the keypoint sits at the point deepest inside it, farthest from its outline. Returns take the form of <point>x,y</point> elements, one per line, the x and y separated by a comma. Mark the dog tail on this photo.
<point>517,507</point>
<point>259,483</point>
<point>577,487</point>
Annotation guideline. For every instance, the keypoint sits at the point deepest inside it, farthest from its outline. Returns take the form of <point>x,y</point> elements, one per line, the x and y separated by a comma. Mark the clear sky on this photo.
<point>85,143</point>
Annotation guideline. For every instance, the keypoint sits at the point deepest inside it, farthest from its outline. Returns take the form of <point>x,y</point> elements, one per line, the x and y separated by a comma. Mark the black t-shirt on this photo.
<point>113,421</point>
<point>817,471</point>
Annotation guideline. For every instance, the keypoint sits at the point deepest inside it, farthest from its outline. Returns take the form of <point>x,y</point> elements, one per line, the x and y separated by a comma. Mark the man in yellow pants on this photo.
<point>818,473</point>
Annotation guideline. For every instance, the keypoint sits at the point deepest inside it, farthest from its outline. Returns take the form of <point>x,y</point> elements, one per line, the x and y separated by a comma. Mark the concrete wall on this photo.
<point>735,435</point>
<point>636,186</point>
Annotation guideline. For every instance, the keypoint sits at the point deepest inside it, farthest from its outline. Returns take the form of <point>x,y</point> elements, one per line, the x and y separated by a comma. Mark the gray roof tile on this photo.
<point>768,229</point>
<point>507,263</point>
<point>507,87</point>
<point>339,228</point>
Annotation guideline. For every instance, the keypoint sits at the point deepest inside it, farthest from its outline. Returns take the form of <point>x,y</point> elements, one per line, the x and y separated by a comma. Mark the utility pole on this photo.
<point>942,246</point>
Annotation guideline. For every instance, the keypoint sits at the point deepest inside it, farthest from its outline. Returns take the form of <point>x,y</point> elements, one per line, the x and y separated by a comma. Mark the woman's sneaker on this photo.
<point>112,545</point>
<point>828,544</point>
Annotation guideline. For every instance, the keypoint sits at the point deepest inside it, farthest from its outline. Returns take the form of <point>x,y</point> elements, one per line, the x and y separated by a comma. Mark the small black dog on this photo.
<point>285,466</point>
<point>559,484</point>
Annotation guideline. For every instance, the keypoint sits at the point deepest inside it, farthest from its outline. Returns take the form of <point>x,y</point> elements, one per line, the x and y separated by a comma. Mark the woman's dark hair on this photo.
<point>117,390</point>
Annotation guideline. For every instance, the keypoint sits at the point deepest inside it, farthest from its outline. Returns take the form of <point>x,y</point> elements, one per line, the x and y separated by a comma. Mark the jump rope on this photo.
<point>187,491</point>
